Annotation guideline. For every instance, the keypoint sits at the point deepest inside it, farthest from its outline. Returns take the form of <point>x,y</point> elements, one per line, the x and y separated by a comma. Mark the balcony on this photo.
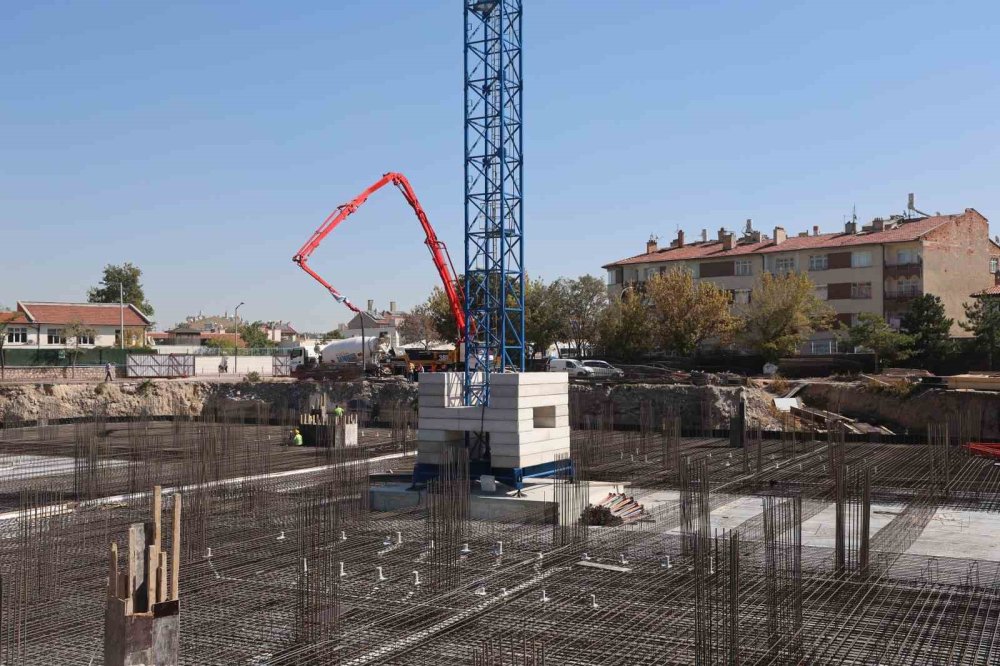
<point>912,268</point>
<point>901,294</point>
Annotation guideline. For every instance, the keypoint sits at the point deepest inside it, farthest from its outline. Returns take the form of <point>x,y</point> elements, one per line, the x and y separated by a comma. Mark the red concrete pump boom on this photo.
<point>439,252</point>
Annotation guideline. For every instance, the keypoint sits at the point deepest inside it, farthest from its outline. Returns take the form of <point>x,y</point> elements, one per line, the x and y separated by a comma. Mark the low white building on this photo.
<point>48,325</point>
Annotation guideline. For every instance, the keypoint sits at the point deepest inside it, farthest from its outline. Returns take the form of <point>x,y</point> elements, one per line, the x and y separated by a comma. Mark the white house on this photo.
<point>44,325</point>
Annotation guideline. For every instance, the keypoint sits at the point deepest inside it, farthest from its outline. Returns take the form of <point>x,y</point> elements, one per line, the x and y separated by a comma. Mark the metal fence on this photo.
<point>171,365</point>
<point>281,366</point>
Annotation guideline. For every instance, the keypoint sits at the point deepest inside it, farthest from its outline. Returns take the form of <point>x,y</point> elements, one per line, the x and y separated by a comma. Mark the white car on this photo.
<point>604,369</point>
<point>574,368</point>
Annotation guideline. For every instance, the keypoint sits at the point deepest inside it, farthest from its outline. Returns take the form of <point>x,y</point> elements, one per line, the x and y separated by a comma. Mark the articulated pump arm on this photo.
<point>439,252</point>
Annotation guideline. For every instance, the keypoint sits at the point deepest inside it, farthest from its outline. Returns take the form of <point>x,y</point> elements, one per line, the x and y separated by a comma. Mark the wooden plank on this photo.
<point>157,507</point>
<point>113,571</point>
<point>136,566</point>
<point>162,592</point>
<point>175,545</point>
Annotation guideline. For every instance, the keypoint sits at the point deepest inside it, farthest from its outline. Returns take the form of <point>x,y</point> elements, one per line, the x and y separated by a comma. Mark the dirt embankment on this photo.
<point>169,398</point>
<point>698,406</point>
<point>912,413</point>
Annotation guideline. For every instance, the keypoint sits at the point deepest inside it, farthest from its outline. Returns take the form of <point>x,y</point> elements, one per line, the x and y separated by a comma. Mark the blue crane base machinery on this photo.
<point>511,425</point>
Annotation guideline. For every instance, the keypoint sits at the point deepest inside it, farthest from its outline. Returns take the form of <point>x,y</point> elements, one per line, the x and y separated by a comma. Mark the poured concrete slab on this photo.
<point>821,530</point>
<point>961,534</point>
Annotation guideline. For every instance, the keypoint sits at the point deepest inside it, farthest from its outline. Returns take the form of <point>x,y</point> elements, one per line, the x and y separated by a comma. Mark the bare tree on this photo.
<point>76,331</point>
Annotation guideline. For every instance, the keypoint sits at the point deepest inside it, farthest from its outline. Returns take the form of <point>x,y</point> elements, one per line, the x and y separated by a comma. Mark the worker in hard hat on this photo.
<point>296,437</point>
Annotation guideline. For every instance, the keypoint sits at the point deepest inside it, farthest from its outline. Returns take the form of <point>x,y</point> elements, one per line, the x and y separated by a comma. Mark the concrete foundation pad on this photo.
<point>538,501</point>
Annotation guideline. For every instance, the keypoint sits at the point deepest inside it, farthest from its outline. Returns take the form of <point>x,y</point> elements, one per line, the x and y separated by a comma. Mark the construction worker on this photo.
<point>338,411</point>
<point>296,437</point>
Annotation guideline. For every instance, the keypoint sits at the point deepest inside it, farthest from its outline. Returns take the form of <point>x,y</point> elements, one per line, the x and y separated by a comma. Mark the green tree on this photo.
<point>624,330</point>
<point>418,326</point>
<point>254,335</point>
<point>783,312</point>
<point>441,316</point>
<point>929,329</point>
<point>686,314</point>
<point>126,275</point>
<point>872,332</point>
<point>332,335</point>
<point>982,319</point>
<point>586,298</point>
<point>544,315</point>
<point>75,332</point>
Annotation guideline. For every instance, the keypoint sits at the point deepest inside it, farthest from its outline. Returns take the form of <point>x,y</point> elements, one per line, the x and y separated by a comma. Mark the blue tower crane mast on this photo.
<point>494,217</point>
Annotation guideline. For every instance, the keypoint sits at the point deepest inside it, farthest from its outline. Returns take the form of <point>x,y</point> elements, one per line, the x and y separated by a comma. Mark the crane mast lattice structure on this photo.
<point>494,250</point>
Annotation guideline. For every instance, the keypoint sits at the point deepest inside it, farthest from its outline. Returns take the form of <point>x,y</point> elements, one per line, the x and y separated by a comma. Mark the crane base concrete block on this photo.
<point>527,420</point>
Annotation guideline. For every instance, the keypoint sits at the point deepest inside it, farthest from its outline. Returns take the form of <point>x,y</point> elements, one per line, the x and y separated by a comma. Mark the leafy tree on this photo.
<point>783,312</point>
<point>585,299</point>
<point>686,314</point>
<point>333,335</point>
<point>254,335</point>
<point>6,319</point>
<point>222,344</point>
<point>418,326</point>
<point>929,330</point>
<point>126,275</point>
<point>983,321</point>
<point>872,332</point>
<point>440,313</point>
<point>74,332</point>
<point>624,329</point>
<point>544,315</point>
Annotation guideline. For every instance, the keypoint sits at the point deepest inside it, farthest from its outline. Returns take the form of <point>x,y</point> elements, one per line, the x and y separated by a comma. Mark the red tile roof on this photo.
<point>906,231</point>
<point>88,314</point>
<point>12,317</point>
<point>991,291</point>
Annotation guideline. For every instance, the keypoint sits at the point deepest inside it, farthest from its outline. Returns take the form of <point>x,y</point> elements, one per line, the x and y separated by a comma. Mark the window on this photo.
<point>904,257</point>
<point>994,264</point>
<point>821,292</point>
<point>783,264</point>
<point>56,337</point>
<point>817,262</point>
<point>823,346</point>
<point>17,335</point>
<point>861,290</point>
<point>861,259</point>
<point>85,339</point>
<point>743,267</point>
<point>741,296</point>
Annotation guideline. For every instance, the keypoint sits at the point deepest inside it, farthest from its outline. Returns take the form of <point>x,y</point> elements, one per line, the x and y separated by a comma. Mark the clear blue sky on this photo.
<point>206,141</point>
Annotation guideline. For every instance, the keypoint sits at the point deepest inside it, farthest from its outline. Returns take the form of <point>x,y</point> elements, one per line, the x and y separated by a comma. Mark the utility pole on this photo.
<point>121,311</point>
<point>236,337</point>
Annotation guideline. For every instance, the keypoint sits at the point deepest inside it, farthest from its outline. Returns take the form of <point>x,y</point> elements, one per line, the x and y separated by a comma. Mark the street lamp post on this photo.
<point>236,337</point>
<point>121,311</point>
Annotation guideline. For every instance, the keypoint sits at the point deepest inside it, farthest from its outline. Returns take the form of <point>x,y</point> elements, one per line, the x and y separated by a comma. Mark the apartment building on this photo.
<point>878,268</point>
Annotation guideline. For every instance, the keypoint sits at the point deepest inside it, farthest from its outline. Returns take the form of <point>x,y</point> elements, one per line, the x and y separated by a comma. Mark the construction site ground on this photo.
<point>796,549</point>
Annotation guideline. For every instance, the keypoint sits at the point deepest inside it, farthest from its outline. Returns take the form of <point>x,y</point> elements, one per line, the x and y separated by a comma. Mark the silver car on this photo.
<point>603,369</point>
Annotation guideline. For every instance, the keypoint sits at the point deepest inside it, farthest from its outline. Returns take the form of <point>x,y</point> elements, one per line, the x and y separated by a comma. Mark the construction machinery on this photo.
<point>438,250</point>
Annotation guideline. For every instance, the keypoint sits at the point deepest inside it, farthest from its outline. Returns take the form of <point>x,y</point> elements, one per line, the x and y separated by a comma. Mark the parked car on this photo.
<point>574,368</point>
<point>603,369</point>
